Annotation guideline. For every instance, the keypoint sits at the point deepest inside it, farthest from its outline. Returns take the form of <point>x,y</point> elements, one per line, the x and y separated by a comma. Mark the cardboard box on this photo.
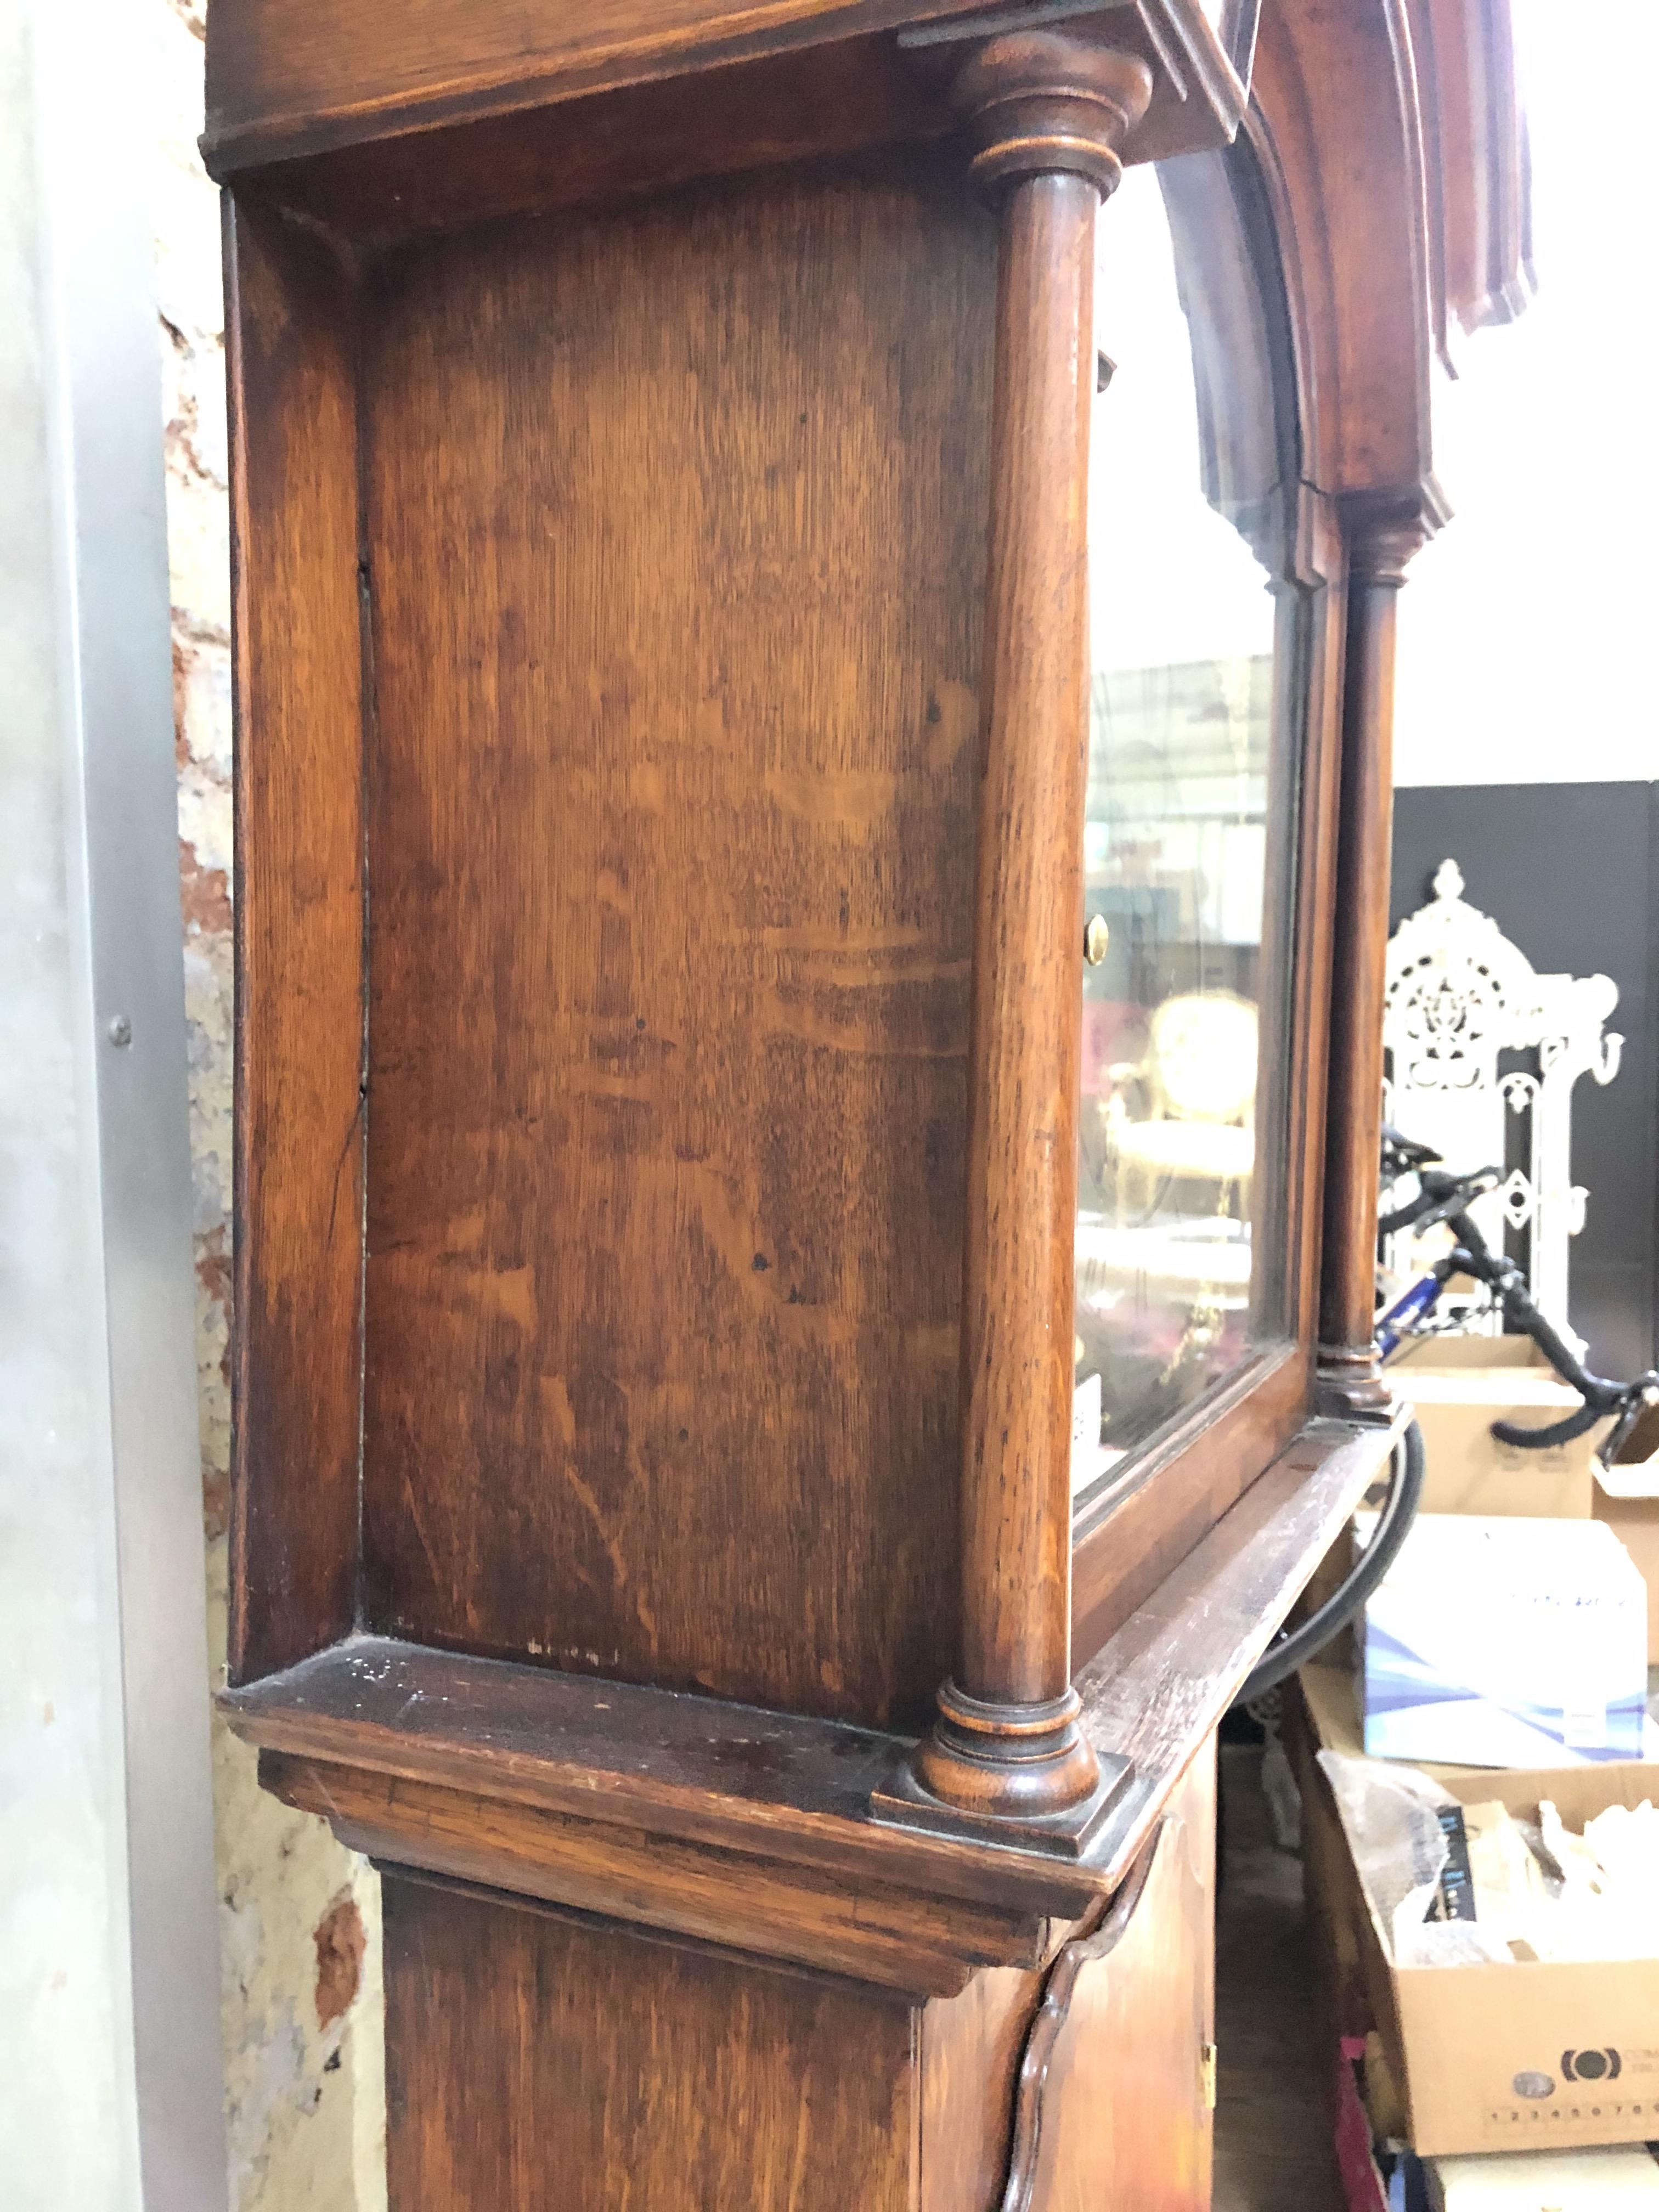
<point>1624,2180</point>
<point>1500,1642</point>
<point>1460,1385</point>
<point>1635,1523</point>
<point>1628,1499</point>
<point>1530,2057</point>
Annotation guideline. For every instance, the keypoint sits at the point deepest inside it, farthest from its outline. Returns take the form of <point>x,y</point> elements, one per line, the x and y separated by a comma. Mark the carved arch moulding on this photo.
<point>1368,125</point>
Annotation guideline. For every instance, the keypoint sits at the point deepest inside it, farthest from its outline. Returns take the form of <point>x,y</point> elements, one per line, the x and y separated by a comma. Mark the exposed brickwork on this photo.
<point>341,1940</point>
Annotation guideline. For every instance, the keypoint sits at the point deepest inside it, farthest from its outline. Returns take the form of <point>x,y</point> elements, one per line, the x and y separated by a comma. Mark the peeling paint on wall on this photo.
<point>300,1917</point>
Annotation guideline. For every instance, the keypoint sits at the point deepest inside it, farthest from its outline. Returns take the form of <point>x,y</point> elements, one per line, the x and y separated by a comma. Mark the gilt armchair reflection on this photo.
<point>1176,861</point>
<point>1163,1243</point>
<point>1196,1086</point>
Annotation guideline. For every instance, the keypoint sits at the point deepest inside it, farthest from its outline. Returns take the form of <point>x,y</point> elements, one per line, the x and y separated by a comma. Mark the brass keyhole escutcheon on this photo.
<point>1096,937</point>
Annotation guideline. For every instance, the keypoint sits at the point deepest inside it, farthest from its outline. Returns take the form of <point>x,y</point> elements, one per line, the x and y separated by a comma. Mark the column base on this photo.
<point>1022,1774</point>
<point>1349,1385</point>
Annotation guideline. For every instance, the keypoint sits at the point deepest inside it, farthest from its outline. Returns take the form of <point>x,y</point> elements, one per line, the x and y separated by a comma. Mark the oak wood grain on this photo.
<point>534,2060</point>
<point>299,922</point>
<point>670,520</point>
<point>1018,1276</point>
<point>838,101</point>
<point>1112,2082</point>
<point>795,1791</point>
<point>968,2058</point>
<point>1096,1939</point>
<point>745,1902</point>
<point>779,1786</point>
<point>1336,224</point>
<point>303,74</point>
<point>671,848</point>
<point>291,78</point>
<point>1048,115</point>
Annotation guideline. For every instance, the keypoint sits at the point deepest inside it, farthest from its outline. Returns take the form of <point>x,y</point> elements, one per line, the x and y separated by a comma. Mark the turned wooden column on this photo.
<point>1048,115</point>
<point>1382,531</point>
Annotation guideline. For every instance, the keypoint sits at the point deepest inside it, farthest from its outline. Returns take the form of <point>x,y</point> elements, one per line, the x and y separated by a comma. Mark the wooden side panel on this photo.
<point>971,2054</point>
<point>678,523</point>
<point>298,945</point>
<point>1125,2118</point>
<point>535,2061</point>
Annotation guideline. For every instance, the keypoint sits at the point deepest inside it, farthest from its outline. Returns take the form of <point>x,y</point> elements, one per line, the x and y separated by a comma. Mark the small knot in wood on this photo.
<point>1038,103</point>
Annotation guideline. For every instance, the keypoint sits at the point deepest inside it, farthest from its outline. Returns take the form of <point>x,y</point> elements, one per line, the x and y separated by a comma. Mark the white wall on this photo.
<point>67,2117</point>
<point>1526,630</point>
<point>109,2076</point>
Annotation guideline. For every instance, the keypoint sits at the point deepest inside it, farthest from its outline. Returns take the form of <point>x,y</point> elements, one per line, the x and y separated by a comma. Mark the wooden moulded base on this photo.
<point>1350,1385</point>
<point>673,1937</point>
<point>767,1830</point>
<point>905,1800</point>
<point>538,2058</point>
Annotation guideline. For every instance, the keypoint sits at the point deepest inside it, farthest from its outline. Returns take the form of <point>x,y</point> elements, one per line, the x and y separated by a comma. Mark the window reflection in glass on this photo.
<point>1175,856</point>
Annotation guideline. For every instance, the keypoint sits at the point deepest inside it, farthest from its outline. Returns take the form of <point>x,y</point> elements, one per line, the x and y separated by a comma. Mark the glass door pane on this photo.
<point>1176,861</point>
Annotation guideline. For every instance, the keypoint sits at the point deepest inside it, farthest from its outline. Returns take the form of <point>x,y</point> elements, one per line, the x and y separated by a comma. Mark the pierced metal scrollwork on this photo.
<point>1459,994</point>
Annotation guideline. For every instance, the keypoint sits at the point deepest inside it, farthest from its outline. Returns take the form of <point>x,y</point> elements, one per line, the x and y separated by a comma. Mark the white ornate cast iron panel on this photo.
<point>1459,996</point>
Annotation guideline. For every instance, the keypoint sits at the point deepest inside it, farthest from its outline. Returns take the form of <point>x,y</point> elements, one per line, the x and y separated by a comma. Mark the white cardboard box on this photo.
<point>1502,1642</point>
<point>1624,2180</point>
<point>1482,2059</point>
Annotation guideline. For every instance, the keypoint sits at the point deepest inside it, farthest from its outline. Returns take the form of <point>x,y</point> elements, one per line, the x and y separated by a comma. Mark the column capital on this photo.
<point>1039,103</point>
<point>1385,529</point>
